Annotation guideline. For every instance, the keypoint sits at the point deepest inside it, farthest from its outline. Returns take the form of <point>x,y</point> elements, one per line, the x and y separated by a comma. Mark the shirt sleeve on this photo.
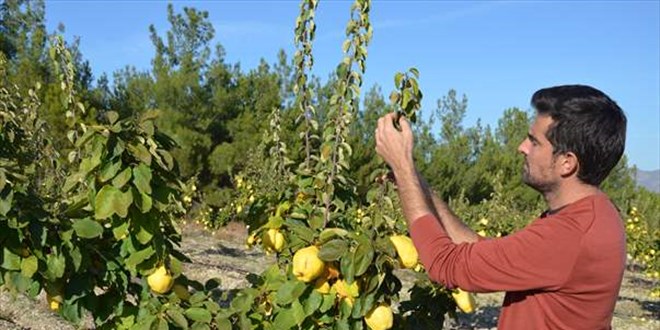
<point>541,256</point>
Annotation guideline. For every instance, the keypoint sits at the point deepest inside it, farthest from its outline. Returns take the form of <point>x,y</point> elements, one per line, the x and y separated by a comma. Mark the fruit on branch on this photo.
<point>274,240</point>
<point>307,265</point>
<point>406,250</point>
<point>160,281</point>
<point>380,317</point>
<point>464,300</point>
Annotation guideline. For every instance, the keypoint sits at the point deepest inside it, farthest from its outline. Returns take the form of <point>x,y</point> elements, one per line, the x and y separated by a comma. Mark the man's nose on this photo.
<point>522,148</point>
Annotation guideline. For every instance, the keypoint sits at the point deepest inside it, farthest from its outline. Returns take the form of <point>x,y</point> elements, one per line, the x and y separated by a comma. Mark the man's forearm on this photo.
<point>414,201</point>
<point>458,231</point>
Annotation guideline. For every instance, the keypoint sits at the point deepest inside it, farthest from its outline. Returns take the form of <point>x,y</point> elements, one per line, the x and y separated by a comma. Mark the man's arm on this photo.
<point>417,199</point>
<point>457,230</point>
<point>395,147</point>
<point>539,257</point>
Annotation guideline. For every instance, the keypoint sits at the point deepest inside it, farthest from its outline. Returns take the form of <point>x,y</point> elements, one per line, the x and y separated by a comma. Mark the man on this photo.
<point>564,270</point>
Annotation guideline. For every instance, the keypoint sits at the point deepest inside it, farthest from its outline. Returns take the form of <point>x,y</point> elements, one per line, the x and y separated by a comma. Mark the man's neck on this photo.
<point>568,194</point>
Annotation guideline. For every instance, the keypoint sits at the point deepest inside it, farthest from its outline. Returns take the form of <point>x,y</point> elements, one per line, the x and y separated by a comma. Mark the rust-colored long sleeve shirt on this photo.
<point>562,271</point>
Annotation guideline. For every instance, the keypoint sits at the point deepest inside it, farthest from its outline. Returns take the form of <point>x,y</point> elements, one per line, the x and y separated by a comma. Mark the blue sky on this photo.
<point>495,52</point>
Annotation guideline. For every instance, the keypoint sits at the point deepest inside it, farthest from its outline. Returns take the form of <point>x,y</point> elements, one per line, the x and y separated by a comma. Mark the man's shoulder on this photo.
<point>586,212</point>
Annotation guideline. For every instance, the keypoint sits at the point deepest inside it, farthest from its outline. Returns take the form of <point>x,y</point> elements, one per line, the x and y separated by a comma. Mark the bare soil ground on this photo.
<point>225,256</point>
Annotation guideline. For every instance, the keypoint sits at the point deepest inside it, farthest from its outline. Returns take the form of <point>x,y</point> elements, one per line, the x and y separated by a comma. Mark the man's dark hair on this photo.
<point>587,123</point>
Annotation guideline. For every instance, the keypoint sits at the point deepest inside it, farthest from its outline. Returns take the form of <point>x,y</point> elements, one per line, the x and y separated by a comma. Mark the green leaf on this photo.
<point>90,163</point>
<point>145,324</point>
<point>328,302</point>
<point>145,234</point>
<point>344,310</point>
<point>406,99</point>
<point>198,297</point>
<point>366,304</point>
<point>289,292</point>
<point>10,261</point>
<point>347,267</point>
<point>167,159</point>
<point>17,282</point>
<point>5,204</point>
<point>330,233</point>
<point>275,222</point>
<point>313,302</point>
<point>87,228</point>
<point>56,264</point>
<point>162,324</point>
<point>397,79</point>
<point>364,254</point>
<point>120,231</point>
<point>29,266</point>
<point>142,178</point>
<point>105,202</point>
<point>305,233</point>
<point>242,303</point>
<point>85,137</point>
<point>223,323</point>
<point>333,250</point>
<point>140,152</point>
<point>177,317</point>
<point>394,97</point>
<point>120,180</point>
<point>342,324</point>
<point>111,200</point>
<point>112,116</point>
<point>109,170</point>
<point>76,258</point>
<point>145,203</point>
<point>415,72</point>
<point>76,208</point>
<point>298,312</point>
<point>148,127</point>
<point>3,179</point>
<point>198,314</point>
<point>137,257</point>
<point>285,319</point>
<point>71,181</point>
<point>202,326</point>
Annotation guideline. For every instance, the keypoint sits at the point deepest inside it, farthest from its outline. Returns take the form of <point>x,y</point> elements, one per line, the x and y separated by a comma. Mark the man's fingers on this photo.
<point>379,127</point>
<point>403,122</point>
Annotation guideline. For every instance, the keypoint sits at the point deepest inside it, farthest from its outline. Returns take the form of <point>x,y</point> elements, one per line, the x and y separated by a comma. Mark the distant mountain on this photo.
<point>649,180</point>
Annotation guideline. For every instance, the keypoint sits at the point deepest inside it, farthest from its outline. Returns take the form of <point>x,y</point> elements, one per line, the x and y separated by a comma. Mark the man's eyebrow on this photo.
<point>532,138</point>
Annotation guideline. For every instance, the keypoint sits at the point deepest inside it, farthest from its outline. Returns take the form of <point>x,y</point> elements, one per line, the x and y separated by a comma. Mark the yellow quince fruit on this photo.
<point>274,240</point>
<point>160,281</point>
<point>464,300</point>
<point>406,250</point>
<point>380,317</point>
<point>307,265</point>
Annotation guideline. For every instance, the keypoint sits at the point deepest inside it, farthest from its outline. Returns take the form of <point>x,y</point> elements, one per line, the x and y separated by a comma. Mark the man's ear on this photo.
<point>568,164</point>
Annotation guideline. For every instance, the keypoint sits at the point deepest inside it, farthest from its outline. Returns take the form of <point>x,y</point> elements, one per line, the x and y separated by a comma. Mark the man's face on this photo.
<point>539,170</point>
